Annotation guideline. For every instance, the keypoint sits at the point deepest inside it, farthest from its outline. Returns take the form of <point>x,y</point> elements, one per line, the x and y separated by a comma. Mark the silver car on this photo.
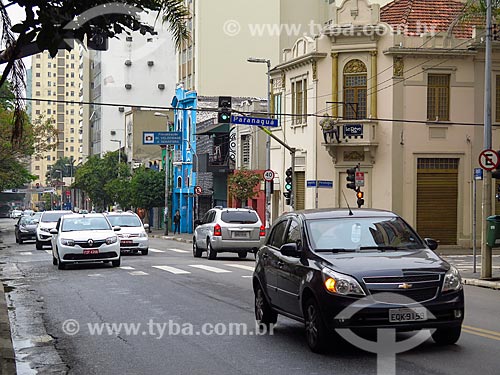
<point>133,236</point>
<point>234,230</point>
<point>84,238</point>
<point>48,221</point>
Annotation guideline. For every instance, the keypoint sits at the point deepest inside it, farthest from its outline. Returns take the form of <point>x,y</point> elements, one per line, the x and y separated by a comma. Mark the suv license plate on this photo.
<point>91,251</point>
<point>408,315</point>
<point>126,242</point>
<point>241,235</point>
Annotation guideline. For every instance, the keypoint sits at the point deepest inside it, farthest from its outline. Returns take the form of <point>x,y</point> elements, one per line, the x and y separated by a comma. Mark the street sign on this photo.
<point>488,159</point>
<point>478,173</point>
<point>268,175</point>
<point>311,183</point>
<point>351,130</point>
<point>359,178</point>
<point>161,138</point>
<point>244,120</point>
<point>198,190</point>
<point>325,184</point>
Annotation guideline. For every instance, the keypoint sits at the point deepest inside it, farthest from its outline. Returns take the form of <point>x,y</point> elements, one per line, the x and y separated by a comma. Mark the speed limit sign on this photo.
<point>268,175</point>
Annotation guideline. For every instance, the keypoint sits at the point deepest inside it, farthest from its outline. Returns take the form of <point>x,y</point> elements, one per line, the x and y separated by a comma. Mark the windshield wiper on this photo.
<point>335,250</point>
<point>383,248</point>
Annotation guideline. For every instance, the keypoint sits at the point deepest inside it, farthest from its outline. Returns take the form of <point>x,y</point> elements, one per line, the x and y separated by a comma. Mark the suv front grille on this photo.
<point>85,244</point>
<point>417,295</point>
<point>402,279</point>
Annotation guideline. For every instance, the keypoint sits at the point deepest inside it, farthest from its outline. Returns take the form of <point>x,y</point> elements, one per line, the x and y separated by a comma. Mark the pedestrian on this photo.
<point>177,222</point>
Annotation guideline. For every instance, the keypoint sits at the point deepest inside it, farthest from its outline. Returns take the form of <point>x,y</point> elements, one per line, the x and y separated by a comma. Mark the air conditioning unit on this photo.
<point>128,86</point>
<point>161,86</point>
<point>128,62</point>
<point>128,38</point>
<point>151,63</point>
<point>121,109</point>
<point>113,132</point>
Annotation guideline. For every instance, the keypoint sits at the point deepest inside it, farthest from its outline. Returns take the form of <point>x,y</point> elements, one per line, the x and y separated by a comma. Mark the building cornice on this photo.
<point>300,61</point>
<point>434,52</point>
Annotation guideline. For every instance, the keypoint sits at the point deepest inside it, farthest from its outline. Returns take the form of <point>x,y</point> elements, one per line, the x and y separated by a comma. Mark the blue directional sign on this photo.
<point>161,138</point>
<point>325,184</point>
<point>244,120</point>
<point>311,183</point>
<point>478,173</point>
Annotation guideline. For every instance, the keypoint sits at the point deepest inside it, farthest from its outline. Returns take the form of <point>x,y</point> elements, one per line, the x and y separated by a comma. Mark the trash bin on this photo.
<point>493,231</point>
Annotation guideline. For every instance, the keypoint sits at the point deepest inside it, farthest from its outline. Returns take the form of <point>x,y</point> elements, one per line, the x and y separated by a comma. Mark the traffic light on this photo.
<point>287,195</point>
<point>224,115</point>
<point>289,179</point>
<point>351,178</point>
<point>360,195</point>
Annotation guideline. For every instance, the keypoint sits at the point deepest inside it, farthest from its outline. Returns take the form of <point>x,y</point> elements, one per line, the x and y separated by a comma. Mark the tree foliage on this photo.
<point>243,183</point>
<point>147,188</point>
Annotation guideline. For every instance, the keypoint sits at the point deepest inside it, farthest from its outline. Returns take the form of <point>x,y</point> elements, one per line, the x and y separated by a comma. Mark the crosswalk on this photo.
<point>192,268</point>
<point>466,262</point>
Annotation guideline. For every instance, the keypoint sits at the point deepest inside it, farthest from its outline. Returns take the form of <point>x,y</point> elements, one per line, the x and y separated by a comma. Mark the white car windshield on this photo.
<point>84,224</point>
<point>124,221</point>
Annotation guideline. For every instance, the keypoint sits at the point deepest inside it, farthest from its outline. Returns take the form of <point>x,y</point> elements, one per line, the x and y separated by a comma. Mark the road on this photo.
<point>190,298</point>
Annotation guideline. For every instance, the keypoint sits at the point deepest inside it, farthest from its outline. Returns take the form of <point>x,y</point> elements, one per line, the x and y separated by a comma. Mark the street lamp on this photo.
<point>119,153</point>
<point>167,165</point>
<point>268,140</point>
<point>62,198</point>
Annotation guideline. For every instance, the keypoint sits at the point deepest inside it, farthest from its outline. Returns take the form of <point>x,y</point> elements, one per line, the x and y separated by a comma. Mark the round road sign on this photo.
<point>268,175</point>
<point>198,190</point>
<point>488,159</point>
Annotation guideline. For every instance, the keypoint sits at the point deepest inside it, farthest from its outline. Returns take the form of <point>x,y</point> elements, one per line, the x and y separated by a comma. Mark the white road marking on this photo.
<point>48,251</point>
<point>178,251</point>
<point>138,273</point>
<point>209,268</point>
<point>246,277</point>
<point>241,266</point>
<point>156,250</point>
<point>173,270</point>
<point>127,268</point>
<point>95,275</point>
<point>26,253</point>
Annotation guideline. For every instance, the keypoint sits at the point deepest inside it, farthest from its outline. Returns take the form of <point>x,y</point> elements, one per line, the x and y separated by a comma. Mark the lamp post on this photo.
<point>62,192</point>
<point>268,139</point>
<point>167,166</point>
<point>72,166</point>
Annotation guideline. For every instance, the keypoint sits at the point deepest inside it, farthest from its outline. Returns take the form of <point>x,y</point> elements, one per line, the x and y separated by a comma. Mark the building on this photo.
<point>405,103</point>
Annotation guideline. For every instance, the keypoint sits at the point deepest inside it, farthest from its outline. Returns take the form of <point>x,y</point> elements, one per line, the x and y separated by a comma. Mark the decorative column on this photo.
<point>373,86</point>
<point>335,84</point>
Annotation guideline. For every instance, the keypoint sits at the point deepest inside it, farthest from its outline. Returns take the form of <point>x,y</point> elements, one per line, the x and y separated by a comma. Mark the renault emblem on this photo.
<point>90,242</point>
<point>405,286</point>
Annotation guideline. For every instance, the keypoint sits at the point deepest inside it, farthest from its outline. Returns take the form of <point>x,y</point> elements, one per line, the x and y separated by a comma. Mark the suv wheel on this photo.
<point>316,333</point>
<point>196,251</point>
<point>211,253</point>
<point>145,252</point>
<point>54,260</point>
<point>447,336</point>
<point>242,254</point>
<point>116,263</point>
<point>61,265</point>
<point>263,313</point>
<point>39,245</point>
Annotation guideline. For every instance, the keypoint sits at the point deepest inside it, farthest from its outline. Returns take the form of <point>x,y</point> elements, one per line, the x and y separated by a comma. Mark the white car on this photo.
<point>133,236</point>
<point>16,214</point>
<point>48,221</point>
<point>84,238</point>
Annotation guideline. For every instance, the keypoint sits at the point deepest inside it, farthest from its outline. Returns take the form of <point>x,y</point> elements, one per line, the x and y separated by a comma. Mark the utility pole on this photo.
<point>486,269</point>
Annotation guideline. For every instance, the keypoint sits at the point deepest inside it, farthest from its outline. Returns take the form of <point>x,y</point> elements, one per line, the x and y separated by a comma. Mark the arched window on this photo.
<point>354,90</point>
<point>179,182</point>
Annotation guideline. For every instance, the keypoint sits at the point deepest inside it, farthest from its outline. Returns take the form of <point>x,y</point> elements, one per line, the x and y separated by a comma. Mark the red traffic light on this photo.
<point>360,194</point>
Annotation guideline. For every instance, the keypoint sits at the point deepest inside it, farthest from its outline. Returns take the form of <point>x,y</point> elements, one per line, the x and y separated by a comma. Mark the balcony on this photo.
<point>339,135</point>
<point>218,162</point>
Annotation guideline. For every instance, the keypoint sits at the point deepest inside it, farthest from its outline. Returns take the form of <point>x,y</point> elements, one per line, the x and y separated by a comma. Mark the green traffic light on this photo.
<point>288,186</point>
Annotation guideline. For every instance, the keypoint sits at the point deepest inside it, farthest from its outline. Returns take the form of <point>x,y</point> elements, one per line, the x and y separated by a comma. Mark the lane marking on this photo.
<point>138,273</point>
<point>481,334</point>
<point>241,266</point>
<point>209,268</point>
<point>486,331</point>
<point>48,251</point>
<point>178,251</point>
<point>95,275</point>
<point>127,268</point>
<point>156,250</point>
<point>26,253</point>
<point>176,271</point>
<point>246,277</point>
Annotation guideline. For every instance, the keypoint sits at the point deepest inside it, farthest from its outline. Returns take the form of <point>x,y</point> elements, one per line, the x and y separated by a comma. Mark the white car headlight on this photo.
<point>143,234</point>
<point>452,280</point>
<point>45,230</point>
<point>111,240</point>
<point>338,283</point>
<point>67,242</point>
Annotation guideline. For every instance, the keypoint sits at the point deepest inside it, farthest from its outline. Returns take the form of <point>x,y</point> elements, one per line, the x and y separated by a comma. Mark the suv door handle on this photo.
<point>280,264</point>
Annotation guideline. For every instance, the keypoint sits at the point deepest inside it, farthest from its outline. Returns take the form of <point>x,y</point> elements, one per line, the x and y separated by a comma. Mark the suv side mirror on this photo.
<point>290,250</point>
<point>53,231</point>
<point>431,243</point>
<point>146,226</point>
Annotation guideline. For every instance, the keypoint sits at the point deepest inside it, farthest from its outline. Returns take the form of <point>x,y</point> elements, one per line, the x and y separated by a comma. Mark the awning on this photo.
<point>215,129</point>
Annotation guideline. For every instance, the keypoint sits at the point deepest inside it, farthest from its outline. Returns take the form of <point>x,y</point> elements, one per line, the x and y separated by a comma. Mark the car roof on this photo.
<point>336,213</point>
<point>57,211</point>
<point>233,209</point>
<point>79,216</point>
<point>121,213</point>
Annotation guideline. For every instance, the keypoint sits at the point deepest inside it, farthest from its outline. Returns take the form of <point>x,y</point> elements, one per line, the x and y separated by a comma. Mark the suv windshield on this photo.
<point>124,221</point>
<point>85,223</point>
<point>377,233</point>
<point>239,217</point>
<point>52,217</point>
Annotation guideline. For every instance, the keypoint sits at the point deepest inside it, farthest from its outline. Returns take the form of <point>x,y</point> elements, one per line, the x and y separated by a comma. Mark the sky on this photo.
<point>16,14</point>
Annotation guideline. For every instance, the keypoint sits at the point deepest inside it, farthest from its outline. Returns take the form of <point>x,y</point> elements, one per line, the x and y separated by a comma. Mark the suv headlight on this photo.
<point>111,240</point>
<point>45,229</point>
<point>143,234</point>
<point>67,242</point>
<point>338,283</point>
<point>452,280</point>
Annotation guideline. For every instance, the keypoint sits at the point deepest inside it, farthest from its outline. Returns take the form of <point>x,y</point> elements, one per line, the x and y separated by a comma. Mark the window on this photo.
<point>293,234</point>
<point>438,97</point>
<point>37,74</point>
<point>276,107</point>
<point>299,101</point>
<point>276,236</point>
<point>245,151</point>
<point>497,99</point>
<point>355,90</point>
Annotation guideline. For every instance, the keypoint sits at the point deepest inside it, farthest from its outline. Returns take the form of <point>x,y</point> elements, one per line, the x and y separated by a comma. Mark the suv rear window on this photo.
<point>52,217</point>
<point>239,217</point>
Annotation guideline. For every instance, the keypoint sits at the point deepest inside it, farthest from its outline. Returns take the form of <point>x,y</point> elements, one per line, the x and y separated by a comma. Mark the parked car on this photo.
<point>28,212</point>
<point>84,238</point>
<point>16,214</point>
<point>48,221</point>
<point>133,236</point>
<point>25,229</point>
<point>316,263</point>
<point>236,230</point>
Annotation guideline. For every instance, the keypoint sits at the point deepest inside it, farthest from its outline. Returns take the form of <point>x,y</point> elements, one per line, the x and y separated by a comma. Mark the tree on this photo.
<point>147,189</point>
<point>242,184</point>
<point>49,23</point>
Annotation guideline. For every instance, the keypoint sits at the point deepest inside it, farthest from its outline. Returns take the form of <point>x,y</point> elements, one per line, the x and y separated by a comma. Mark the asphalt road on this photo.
<point>189,301</point>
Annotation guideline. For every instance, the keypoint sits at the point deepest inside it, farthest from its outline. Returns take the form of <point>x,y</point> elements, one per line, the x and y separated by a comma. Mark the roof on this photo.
<point>415,17</point>
<point>336,213</point>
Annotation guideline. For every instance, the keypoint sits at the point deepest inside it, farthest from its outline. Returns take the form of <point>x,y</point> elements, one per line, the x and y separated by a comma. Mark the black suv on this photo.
<point>316,263</point>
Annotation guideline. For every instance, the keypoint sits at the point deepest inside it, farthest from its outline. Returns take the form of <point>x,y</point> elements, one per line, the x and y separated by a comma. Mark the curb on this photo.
<point>7,355</point>
<point>178,239</point>
<point>482,283</point>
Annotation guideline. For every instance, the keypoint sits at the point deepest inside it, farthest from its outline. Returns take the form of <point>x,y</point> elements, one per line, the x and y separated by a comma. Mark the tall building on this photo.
<point>56,81</point>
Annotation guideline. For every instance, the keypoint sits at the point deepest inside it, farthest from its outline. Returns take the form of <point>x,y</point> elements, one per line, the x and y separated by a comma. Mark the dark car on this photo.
<point>316,263</point>
<point>25,229</point>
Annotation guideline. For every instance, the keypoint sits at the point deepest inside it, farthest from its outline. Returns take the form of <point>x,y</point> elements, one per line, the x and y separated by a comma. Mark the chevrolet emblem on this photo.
<point>405,286</point>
